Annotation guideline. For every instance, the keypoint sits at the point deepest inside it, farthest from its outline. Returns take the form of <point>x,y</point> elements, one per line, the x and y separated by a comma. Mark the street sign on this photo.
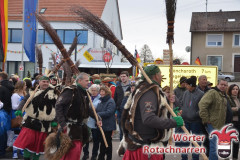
<point>88,56</point>
<point>188,70</point>
<point>107,57</point>
<point>21,67</point>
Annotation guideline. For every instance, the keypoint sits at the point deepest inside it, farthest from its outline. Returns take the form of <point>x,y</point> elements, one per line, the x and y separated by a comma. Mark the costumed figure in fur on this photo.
<point>72,109</point>
<point>37,121</point>
<point>145,119</point>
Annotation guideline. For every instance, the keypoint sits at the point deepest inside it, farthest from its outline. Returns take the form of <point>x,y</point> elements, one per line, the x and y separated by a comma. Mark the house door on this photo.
<point>237,63</point>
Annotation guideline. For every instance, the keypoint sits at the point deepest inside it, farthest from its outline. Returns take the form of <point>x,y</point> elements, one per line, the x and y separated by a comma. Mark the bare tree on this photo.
<point>146,54</point>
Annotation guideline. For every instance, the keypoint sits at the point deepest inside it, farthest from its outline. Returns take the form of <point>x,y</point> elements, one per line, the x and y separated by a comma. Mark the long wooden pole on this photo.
<point>100,128</point>
<point>171,111</point>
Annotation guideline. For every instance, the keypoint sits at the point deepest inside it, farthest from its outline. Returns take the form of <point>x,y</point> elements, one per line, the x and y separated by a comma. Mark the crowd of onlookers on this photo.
<point>202,107</point>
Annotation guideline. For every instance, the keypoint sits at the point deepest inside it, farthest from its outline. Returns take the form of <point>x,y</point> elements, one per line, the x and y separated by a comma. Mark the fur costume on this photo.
<point>77,114</point>
<point>55,151</point>
<point>128,116</point>
<point>41,111</point>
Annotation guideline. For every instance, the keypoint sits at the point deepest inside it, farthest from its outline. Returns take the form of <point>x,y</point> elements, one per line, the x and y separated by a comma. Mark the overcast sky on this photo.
<point>144,22</point>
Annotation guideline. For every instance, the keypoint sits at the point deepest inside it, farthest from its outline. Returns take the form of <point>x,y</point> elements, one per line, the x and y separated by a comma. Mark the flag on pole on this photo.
<point>137,56</point>
<point>3,29</point>
<point>197,61</point>
<point>30,7</point>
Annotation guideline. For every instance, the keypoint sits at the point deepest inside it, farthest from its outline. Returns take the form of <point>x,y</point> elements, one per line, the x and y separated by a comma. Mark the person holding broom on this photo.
<point>145,119</point>
<point>37,121</point>
<point>73,110</point>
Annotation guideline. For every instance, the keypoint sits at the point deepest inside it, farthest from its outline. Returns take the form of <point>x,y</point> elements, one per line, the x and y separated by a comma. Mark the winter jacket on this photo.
<point>213,108</point>
<point>205,90</point>
<point>124,101</point>
<point>8,84</point>
<point>118,95</point>
<point>190,109</point>
<point>5,98</point>
<point>91,122</point>
<point>179,91</point>
<point>106,110</point>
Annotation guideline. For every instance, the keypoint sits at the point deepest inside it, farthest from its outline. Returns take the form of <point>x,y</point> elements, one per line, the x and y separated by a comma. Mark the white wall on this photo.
<point>109,16</point>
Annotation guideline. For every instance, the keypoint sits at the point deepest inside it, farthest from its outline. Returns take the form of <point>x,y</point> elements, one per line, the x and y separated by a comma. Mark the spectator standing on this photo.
<point>181,88</point>
<point>234,94</point>
<point>110,83</point>
<point>203,83</point>
<point>95,97</point>
<point>119,94</point>
<point>106,110</point>
<point>5,82</point>
<point>17,97</point>
<point>213,111</point>
<point>124,101</point>
<point>190,111</point>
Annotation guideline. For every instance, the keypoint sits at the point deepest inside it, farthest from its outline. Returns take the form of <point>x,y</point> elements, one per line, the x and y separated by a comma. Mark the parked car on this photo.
<point>228,77</point>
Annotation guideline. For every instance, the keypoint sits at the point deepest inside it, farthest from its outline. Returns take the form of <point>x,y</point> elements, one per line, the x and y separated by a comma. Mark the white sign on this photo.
<point>21,67</point>
<point>166,56</point>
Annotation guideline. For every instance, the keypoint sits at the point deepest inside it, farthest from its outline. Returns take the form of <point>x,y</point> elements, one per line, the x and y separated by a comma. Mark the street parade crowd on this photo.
<point>137,107</point>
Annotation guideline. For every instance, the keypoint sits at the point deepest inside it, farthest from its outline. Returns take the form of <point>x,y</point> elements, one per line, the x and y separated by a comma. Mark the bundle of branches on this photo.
<point>39,58</point>
<point>53,34</point>
<point>54,59</point>
<point>171,10</point>
<point>95,24</point>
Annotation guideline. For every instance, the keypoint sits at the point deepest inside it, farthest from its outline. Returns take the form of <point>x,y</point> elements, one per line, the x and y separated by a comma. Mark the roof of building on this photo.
<point>215,21</point>
<point>57,10</point>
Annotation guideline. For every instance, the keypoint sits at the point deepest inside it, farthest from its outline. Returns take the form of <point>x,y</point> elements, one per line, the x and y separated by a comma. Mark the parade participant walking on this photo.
<point>37,120</point>
<point>95,97</point>
<point>213,111</point>
<point>145,119</point>
<point>73,110</point>
<point>234,94</point>
<point>106,110</point>
<point>190,112</point>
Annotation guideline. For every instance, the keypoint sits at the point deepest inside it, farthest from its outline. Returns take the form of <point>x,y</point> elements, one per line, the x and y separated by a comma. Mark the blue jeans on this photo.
<point>213,144</point>
<point>196,128</point>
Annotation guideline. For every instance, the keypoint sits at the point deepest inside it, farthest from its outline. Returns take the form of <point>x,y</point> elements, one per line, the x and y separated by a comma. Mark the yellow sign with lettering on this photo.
<point>188,71</point>
<point>88,56</point>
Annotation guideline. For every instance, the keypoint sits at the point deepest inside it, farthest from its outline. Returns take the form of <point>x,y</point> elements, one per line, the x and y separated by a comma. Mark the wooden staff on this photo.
<point>170,13</point>
<point>95,114</point>
<point>52,33</point>
<point>96,25</point>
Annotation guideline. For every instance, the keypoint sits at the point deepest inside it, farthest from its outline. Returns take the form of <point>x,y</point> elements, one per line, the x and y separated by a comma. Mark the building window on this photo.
<point>236,40</point>
<point>60,33</point>
<point>69,35</point>
<point>214,40</point>
<point>215,61</point>
<point>16,36</point>
<point>66,36</point>
<point>83,36</point>
<point>47,38</point>
<point>40,36</point>
<point>9,35</point>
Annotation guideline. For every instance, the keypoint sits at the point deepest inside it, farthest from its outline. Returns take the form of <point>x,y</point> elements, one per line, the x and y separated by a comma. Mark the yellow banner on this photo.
<point>88,56</point>
<point>188,71</point>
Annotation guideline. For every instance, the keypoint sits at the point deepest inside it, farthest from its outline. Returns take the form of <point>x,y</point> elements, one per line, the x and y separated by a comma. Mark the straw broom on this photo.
<point>96,25</point>
<point>39,59</point>
<point>170,13</point>
<point>52,33</point>
<point>171,10</point>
